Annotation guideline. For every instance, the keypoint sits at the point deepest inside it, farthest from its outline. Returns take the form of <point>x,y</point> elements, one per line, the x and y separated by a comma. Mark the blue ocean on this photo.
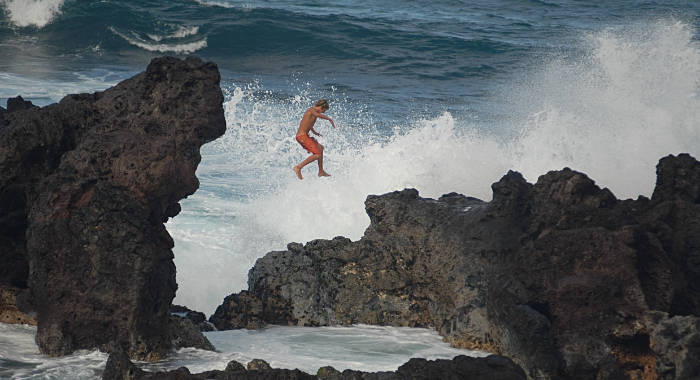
<point>441,96</point>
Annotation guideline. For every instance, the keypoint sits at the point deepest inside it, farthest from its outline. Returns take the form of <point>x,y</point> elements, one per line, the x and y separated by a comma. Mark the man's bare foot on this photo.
<point>298,171</point>
<point>323,174</point>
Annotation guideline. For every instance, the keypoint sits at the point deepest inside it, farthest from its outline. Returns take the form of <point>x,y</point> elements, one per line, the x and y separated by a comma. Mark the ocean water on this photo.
<point>370,348</point>
<point>440,96</point>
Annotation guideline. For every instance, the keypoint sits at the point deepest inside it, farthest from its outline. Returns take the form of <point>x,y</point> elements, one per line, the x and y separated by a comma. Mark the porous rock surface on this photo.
<point>85,187</point>
<point>560,276</point>
<point>9,312</point>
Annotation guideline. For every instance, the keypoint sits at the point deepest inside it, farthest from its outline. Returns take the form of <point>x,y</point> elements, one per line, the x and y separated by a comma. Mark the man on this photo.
<point>309,143</point>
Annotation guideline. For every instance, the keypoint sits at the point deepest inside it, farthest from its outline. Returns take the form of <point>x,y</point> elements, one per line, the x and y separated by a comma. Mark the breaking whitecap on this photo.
<point>167,43</point>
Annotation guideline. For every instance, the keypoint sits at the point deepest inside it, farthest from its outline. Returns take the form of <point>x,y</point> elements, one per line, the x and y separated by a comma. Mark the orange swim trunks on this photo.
<point>309,143</point>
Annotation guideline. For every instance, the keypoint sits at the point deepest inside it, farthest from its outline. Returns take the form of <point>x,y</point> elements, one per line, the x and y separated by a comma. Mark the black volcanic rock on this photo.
<point>493,367</point>
<point>560,276</point>
<point>415,267</point>
<point>19,104</point>
<point>197,318</point>
<point>85,186</point>
<point>185,333</point>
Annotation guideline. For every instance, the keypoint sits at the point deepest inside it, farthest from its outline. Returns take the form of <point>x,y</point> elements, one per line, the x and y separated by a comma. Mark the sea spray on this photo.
<point>612,113</point>
<point>36,13</point>
<point>606,113</point>
<point>259,150</point>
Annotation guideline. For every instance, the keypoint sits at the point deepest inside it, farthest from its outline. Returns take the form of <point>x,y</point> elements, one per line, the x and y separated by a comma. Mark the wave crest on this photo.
<point>155,43</point>
<point>180,32</point>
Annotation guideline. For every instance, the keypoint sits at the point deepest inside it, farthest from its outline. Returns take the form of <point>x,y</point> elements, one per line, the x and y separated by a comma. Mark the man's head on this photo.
<point>323,103</point>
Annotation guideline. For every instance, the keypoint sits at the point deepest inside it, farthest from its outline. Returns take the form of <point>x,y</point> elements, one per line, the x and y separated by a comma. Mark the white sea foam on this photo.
<point>20,358</point>
<point>366,348</point>
<point>156,45</point>
<point>222,4</point>
<point>179,32</point>
<point>38,13</point>
<point>362,347</point>
<point>45,91</point>
<point>631,100</point>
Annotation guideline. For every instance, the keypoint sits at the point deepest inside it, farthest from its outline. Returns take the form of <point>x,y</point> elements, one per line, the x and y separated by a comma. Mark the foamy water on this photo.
<point>52,90</point>
<point>632,100</point>
<point>366,348</point>
<point>20,358</point>
<point>36,13</point>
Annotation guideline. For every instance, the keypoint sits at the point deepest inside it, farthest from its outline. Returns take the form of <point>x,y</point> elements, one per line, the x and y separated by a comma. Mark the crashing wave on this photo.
<point>38,13</point>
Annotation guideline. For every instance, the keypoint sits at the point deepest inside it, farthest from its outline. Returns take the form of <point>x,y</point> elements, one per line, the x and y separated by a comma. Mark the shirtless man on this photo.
<point>309,143</point>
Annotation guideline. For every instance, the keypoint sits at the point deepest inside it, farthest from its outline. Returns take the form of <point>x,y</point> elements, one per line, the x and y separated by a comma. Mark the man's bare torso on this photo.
<point>307,122</point>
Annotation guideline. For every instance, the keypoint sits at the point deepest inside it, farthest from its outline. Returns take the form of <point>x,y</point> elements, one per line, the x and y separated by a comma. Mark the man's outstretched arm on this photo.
<point>322,116</point>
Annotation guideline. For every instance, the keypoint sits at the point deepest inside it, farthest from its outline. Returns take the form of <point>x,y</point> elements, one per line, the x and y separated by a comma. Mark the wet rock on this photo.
<point>328,373</point>
<point>198,318</point>
<point>245,311</point>
<point>258,365</point>
<point>184,333</point>
<point>493,367</point>
<point>234,366</point>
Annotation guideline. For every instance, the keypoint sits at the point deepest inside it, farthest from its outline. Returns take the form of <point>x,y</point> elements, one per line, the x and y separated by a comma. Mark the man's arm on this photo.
<point>322,116</point>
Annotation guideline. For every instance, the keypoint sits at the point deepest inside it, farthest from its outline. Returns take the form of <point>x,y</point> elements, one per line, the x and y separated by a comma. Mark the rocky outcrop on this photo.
<point>561,276</point>
<point>395,275</point>
<point>184,333</point>
<point>198,319</point>
<point>85,187</point>
<point>461,367</point>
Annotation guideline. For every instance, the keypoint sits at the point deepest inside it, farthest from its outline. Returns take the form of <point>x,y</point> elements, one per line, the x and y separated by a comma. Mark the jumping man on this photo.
<point>309,143</point>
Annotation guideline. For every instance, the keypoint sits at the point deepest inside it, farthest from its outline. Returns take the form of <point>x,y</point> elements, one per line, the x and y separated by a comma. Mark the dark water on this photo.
<point>402,57</point>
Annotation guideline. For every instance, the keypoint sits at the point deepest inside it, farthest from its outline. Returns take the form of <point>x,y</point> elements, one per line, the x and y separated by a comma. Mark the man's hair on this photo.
<point>323,103</point>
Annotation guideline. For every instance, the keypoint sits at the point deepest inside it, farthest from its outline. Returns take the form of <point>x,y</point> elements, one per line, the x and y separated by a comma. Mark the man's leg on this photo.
<point>308,160</point>
<point>321,172</point>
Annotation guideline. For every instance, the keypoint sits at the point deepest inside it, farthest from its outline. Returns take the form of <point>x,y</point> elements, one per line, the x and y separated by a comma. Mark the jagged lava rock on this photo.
<point>493,367</point>
<point>402,273</point>
<point>561,276</point>
<point>197,318</point>
<point>119,367</point>
<point>89,182</point>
